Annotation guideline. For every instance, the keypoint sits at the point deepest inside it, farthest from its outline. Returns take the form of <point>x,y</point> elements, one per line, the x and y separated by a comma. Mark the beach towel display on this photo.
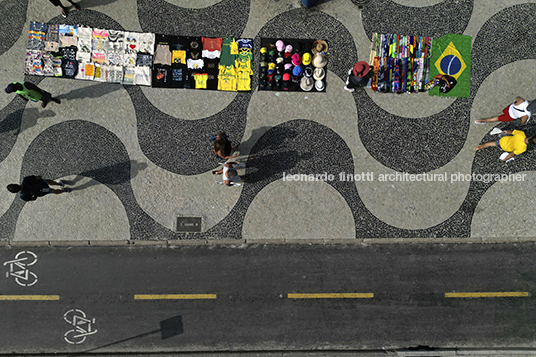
<point>401,64</point>
<point>290,64</point>
<point>135,58</point>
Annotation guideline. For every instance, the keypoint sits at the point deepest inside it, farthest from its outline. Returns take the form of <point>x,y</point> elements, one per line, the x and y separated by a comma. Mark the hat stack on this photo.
<point>293,65</point>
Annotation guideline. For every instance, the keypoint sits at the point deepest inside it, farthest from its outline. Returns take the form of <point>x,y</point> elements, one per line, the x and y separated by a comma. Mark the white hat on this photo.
<point>319,60</point>
<point>319,74</point>
<point>319,85</point>
<point>307,83</point>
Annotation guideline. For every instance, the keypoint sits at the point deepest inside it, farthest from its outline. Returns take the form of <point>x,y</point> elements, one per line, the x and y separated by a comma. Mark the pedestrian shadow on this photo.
<point>270,167</point>
<point>31,115</point>
<point>93,91</point>
<point>110,175</point>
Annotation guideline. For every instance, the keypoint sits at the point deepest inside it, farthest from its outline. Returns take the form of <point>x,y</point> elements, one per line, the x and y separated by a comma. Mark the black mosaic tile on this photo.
<point>183,146</point>
<point>419,145</point>
<point>89,18</point>
<point>506,37</point>
<point>11,26</point>
<point>223,19</point>
<point>288,148</point>
<point>87,150</point>
<point>386,16</point>
<point>11,117</point>
<point>413,145</point>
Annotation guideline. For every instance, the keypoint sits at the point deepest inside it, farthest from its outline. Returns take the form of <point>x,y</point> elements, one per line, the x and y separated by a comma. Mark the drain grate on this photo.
<point>188,224</point>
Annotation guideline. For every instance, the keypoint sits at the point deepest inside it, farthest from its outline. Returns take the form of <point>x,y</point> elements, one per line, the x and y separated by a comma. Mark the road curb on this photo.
<point>267,241</point>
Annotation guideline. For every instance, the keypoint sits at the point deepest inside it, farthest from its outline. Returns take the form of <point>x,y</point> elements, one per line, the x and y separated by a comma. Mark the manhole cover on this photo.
<point>188,224</point>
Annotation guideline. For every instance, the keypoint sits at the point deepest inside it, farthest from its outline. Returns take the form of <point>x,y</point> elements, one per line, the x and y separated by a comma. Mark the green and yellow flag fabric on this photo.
<point>451,55</point>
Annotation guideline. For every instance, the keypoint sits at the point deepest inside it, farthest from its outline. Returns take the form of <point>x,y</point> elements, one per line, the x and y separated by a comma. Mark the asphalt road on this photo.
<point>238,298</point>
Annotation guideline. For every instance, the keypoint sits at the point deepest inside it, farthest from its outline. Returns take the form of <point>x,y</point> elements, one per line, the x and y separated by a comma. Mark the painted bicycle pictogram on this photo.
<point>82,326</point>
<point>18,268</point>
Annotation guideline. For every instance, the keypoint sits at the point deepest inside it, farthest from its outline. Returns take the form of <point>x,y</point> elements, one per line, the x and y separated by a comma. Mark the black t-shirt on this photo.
<point>161,75</point>
<point>179,75</point>
<point>33,187</point>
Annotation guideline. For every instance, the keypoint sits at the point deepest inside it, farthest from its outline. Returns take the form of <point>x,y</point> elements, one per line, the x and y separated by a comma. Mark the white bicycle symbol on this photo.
<point>18,268</point>
<point>82,326</point>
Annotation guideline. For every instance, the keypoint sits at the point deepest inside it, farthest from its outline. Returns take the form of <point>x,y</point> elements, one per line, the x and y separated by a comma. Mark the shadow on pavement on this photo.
<point>105,175</point>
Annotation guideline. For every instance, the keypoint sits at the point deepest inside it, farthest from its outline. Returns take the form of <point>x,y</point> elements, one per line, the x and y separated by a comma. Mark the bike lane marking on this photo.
<point>175,296</point>
<point>487,294</point>
<point>29,297</point>
<point>330,296</point>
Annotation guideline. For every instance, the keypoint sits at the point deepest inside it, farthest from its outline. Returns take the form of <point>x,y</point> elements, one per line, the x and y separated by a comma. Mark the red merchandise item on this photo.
<point>212,44</point>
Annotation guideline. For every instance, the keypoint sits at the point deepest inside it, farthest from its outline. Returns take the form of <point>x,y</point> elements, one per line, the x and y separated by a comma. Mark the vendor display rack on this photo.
<point>293,64</point>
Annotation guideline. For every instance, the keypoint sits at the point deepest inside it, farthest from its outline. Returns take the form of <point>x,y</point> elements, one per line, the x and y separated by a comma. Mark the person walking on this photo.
<point>229,174</point>
<point>29,91</point>
<point>35,186</point>
<point>517,110</point>
<point>513,142</point>
<point>64,10</point>
<point>223,147</point>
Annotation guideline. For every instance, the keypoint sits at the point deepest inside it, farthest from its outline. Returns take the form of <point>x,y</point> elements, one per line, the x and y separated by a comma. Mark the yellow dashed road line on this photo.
<point>487,294</point>
<point>29,297</point>
<point>332,296</point>
<point>175,296</point>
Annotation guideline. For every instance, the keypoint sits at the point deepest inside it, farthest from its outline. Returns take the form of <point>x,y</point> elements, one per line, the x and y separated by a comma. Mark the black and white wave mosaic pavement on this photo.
<point>77,147</point>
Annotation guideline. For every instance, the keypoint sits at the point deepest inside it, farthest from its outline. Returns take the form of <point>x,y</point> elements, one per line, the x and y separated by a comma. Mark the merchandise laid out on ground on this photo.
<point>401,63</point>
<point>451,55</point>
<point>136,58</point>
<point>293,65</point>
<point>203,63</point>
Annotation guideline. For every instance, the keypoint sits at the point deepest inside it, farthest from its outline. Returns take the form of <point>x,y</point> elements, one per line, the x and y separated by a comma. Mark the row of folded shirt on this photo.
<point>139,58</point>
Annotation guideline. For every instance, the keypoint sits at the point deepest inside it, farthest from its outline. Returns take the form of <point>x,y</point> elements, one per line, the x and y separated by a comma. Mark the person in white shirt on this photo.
<point>517,110</point>
<point>229,174</point>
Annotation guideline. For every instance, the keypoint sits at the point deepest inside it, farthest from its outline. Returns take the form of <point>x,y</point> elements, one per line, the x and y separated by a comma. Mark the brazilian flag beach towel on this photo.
<point>451,54</point>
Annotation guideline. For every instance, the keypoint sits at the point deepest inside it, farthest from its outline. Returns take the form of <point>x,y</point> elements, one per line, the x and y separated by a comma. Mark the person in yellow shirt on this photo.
<point>513,142</point>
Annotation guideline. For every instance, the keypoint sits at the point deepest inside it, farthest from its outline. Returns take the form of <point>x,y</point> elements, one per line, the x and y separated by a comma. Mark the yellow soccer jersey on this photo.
<point>227,78</point>
<point>201,80</point>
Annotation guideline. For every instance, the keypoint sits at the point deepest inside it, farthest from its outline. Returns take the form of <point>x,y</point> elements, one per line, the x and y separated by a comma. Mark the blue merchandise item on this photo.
<point>245,43</point>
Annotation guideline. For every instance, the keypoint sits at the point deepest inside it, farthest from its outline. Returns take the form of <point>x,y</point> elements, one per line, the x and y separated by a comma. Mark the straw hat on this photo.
<point>319,46</point>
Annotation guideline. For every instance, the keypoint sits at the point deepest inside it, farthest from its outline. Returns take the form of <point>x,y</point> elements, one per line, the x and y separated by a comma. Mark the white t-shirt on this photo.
<point>225,178</point>
<point>195,64</point>
<point>518,111</point>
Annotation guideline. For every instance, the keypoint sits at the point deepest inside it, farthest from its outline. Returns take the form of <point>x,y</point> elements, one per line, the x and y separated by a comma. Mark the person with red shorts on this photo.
<point>64,10</point>
<point>517,110</point>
